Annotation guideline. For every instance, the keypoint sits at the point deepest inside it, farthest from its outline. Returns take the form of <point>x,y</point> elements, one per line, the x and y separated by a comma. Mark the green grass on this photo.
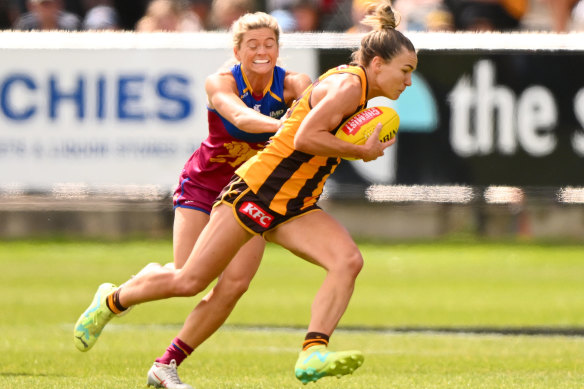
<point>45,285</point>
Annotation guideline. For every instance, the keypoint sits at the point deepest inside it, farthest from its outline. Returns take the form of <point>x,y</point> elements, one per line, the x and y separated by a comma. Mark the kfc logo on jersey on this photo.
<point>256,214</point>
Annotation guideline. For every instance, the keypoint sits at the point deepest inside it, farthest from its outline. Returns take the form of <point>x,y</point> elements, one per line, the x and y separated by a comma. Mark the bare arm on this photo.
<point>222,95</point>
<point>294,85</point>
<point>333,99</point>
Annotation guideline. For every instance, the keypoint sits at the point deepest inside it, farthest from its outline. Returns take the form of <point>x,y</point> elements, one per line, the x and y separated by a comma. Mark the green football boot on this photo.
<point>96,316</point>
<point>318,362</point>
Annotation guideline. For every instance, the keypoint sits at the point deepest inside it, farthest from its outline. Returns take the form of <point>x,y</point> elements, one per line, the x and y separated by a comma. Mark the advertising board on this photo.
<point>107,116</point>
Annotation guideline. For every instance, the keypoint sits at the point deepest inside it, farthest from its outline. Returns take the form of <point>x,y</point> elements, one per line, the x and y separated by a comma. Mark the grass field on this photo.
<point>407,297</point>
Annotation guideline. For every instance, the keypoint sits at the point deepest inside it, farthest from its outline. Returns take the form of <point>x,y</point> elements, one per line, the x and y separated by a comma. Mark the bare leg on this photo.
<point>214,309</point>
<point>188,225</point>
<point>320,239</point>
<point>216,246</point>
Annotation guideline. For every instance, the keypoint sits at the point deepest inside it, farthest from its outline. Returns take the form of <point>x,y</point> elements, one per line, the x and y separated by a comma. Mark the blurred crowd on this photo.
<point>293,15</point>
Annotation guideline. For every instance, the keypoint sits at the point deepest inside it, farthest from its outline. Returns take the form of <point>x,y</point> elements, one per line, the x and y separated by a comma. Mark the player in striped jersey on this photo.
<point>274,195</point>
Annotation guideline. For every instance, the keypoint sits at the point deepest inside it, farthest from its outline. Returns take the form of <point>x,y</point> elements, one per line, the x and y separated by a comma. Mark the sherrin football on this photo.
<point>360,126</point>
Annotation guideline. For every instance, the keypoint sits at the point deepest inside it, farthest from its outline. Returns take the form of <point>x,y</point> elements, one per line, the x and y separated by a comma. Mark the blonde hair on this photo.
<point>384,40</point>
<point>253,21</point>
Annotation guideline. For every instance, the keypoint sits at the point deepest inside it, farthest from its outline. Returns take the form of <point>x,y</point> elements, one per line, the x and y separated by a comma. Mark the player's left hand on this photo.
<point>373,147</point>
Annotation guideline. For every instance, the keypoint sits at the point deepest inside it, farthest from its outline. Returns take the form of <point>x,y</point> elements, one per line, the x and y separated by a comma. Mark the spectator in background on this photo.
<point>416,15</point>
<point>281,10</point>
<point>47,15</point>
<point>424,15</point>
<point>334,15</point>
<point>129,12</point>
<point>564,12</point>
<point>9,12</point>
<point>440,19</point>
<point>311,15</point>
<point>285,19</point>
<point>306,15</point>
<point>169,15</point>
<point>359,9</point>
<point>578,16</point>
<point>202,8</point>
<point>101,15</point>
<point>225,12</point>
<point>487,15</point>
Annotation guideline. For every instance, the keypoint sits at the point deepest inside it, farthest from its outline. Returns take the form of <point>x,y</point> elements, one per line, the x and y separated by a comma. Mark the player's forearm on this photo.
<point>252,121</point>
<point>327,145</point>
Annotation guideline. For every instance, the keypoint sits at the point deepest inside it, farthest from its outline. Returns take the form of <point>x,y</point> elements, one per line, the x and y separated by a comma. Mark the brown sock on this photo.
<point>113,302</point>
<point>315,338</point>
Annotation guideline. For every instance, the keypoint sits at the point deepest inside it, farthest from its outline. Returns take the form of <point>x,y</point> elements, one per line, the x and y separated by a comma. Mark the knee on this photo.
<point>232,289</point>
<point>351,263</point>
<point>356,264</point>
<point>187,286</point>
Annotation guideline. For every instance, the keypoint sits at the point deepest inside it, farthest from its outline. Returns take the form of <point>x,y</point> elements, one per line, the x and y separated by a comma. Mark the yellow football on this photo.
<point>360,126</point>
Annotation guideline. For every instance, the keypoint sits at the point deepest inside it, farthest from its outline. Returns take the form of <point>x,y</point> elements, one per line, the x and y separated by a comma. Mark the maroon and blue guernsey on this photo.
<point>212,165</point>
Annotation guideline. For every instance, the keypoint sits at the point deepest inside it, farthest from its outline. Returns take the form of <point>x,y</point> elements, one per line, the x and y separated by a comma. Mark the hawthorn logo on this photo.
<point>256,214</point>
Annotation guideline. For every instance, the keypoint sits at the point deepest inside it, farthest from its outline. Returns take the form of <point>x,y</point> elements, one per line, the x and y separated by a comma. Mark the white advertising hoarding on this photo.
<point>107,116</point>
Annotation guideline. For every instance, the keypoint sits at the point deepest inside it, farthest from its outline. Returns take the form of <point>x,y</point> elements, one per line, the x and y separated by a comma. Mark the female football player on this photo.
<point>274,195</point>
<point>245,107</point>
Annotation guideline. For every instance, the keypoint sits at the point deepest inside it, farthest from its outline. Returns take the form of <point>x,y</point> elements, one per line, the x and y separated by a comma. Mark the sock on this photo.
<point>315,338</point>
<point>113,302</point>
<point>178,350</point>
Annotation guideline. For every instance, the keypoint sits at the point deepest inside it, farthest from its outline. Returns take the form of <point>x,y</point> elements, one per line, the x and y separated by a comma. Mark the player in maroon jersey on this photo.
<point>245,107</point>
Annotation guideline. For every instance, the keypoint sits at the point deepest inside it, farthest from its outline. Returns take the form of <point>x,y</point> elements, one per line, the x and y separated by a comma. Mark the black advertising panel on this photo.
<point>479,117</point>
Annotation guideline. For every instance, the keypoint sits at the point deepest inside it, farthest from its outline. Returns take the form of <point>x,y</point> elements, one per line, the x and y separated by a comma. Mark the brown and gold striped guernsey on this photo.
<point>285,178</point>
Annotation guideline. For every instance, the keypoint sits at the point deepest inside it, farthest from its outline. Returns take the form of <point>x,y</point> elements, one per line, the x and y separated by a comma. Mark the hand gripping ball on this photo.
<point>360,126</point>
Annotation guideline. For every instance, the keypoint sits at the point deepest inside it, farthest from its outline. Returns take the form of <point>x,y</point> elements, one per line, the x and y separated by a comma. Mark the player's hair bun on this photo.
<point>384,40</point>
<point>381,17</point>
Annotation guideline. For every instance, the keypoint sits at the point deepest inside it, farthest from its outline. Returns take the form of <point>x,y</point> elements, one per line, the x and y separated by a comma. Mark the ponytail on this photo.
<point>381,17</point>
<point>384,40</point>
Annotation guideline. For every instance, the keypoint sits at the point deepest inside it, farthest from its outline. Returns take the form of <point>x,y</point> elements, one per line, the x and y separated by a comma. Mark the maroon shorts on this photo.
<point>189,195</point>
<point>249,210</point>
